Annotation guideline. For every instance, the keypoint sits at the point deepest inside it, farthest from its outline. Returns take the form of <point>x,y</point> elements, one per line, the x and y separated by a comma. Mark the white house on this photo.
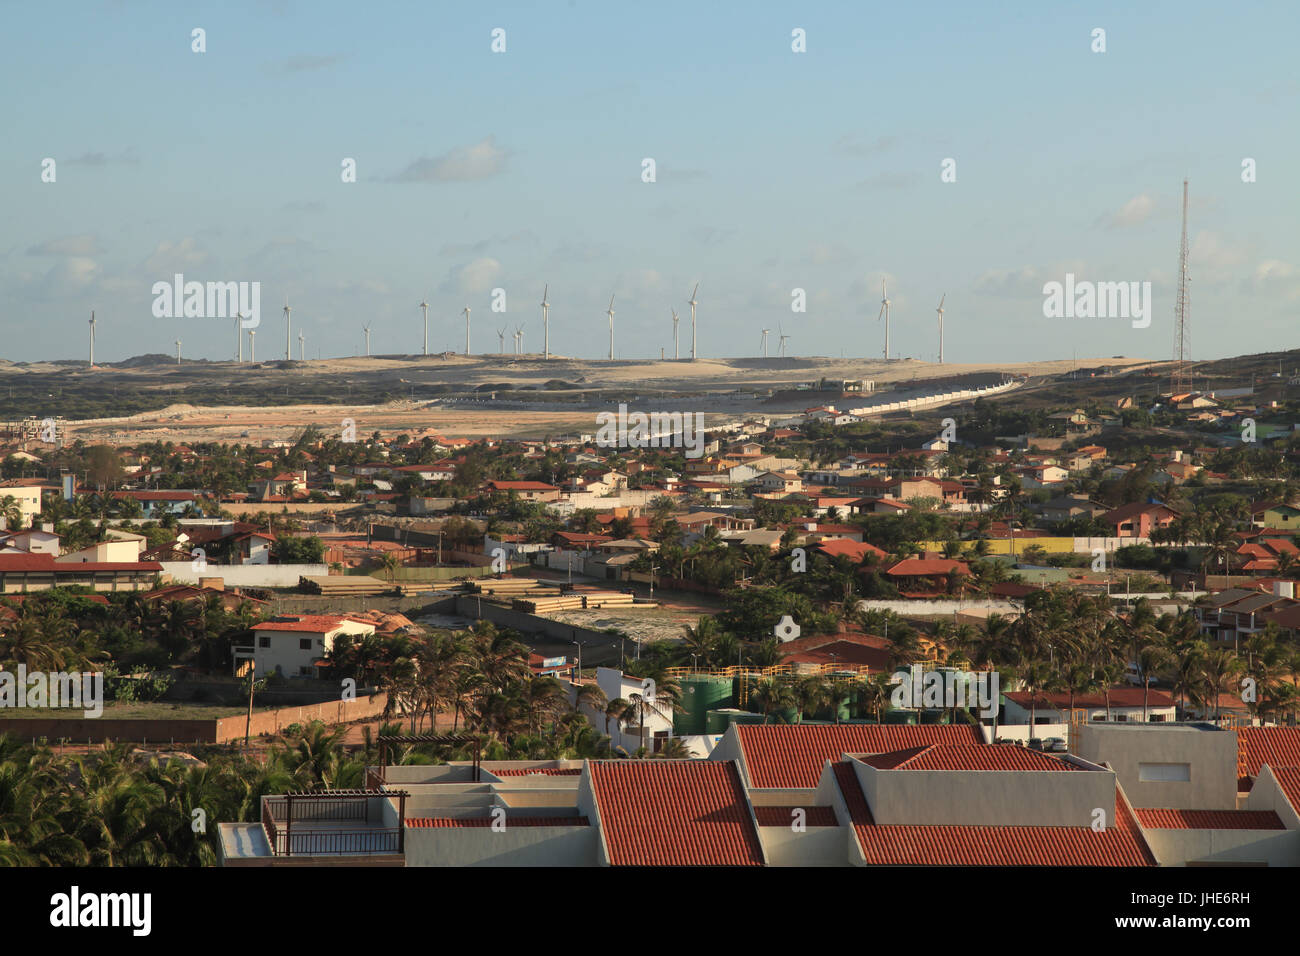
<point>26,495</point>
<point>1125,707</point>
<point>294,644</point>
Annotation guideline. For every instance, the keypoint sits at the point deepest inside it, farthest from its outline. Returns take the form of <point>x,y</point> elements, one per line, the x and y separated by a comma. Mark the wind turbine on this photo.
<point>92,338</point>
<point>610,313</point>
<point>691,303</point>
<point>501,334</point>
<point>425,307</point>
<point>239,338</point>
<point>940,311</point>
<point>366,329</point>
<point>884,310</point>
<point>302,348</point>
<point>252,351</point>
<point>676,353</point>
<point>288,339</point>
<point>519,339</point>
<point>178,351</point>
<point>781,344</point>
<point>766,333</point>
<point>546,324</point>
<point>467,332</point>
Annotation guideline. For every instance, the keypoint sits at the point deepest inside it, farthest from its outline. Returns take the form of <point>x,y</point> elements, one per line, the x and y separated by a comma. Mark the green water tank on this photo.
<point>717,721</point>
<point>701,694</point>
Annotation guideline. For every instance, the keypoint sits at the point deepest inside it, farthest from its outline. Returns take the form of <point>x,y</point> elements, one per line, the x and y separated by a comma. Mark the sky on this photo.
<point>774,171</point>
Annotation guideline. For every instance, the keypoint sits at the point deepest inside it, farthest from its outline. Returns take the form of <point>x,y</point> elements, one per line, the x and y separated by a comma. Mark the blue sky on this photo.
<point>775,170</point>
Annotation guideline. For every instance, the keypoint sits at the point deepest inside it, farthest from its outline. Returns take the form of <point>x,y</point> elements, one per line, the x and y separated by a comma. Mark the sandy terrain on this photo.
<point>694,380</point>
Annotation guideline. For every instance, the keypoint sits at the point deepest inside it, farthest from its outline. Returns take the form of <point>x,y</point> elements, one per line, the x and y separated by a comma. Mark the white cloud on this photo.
<point>1133,213</point>
<point>479,161</point>
<point>83,245</point>
<point>479,275</point>
<point>175,256</point>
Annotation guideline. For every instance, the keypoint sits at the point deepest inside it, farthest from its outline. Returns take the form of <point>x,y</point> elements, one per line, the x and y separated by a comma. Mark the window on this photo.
<point>304,643</point>
<point>263,642</point>
<point>1164,772</point>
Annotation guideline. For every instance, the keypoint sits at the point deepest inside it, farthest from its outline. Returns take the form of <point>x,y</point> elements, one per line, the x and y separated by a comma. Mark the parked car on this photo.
<point>1035,743</point>
<point>1055,745</point>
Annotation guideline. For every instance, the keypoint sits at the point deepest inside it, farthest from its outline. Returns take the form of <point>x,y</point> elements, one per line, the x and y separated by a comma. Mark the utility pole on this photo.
<point>252,683</point>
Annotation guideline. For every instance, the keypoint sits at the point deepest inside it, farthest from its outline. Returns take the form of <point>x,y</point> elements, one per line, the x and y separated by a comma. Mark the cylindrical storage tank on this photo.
<point>717,721</point>
<point>700,694</point>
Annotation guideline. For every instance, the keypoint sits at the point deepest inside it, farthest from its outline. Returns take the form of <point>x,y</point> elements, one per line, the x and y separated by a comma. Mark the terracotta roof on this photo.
<point>856,550</point>
<point>46,562</point>
<point>791,756</point>
<point>925,567</point>
<point>784,816</point>
<point>674,813</point>
<point>841,652</point>
<point>310,623</point>
<point>1275,746</point>
<point>1158,819</point>
<point>965,845</point>
<point>1288,779</point>
<point>1119,697</point>
<point>522,486</point>
<point>968,757</point>
<point>529,771</point>
<point>487,821</point>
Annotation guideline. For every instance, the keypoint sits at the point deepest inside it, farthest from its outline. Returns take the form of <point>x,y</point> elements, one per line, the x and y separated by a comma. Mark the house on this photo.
<point>780,482</point>
<point>155,504</point>
<point>27,497</point>
<point>1139,519</point>
<point>31,542</point>
<point>527,490</point>
<point>1068,507</point>
<point>20,573</point>
<point>1275,514</point>
<point>1126,705</point>
<point>927,576</point>
<point>295,645</point>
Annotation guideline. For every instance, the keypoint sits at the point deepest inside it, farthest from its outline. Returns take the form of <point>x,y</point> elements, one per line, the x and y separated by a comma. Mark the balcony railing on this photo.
<point>330,823</point>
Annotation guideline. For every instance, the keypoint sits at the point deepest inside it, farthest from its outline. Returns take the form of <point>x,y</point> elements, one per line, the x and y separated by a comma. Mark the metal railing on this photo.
<point>338,842</point>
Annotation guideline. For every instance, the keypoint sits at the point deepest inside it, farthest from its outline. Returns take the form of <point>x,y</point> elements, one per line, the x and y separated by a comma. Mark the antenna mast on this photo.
<point>1179,382</point>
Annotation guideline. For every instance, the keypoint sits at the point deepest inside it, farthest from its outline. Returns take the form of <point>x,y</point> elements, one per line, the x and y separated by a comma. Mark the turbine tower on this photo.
<point>1183,300</point>
<point>178,351</point>
<point>239,338</point>
<point>288,339</point>
<point>501,335</point>
<point>467,332</point>
<point>766,333</point>
<point>781,345</point>
<point>252,351</point>
<point>302,348</point>
<point>884,310</point>
<point>610,313</point>
<point>691,303</point>
<point>425,307</point>
<point>940,311</point>
<point>92,338</point>
<point>366,329</point>
<point>519,339</point>
<point>676,353</point>
<point>546,324</point>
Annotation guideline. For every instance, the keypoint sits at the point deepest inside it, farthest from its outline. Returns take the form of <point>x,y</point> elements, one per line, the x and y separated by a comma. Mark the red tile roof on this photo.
<point>856,550</point>
<point>528,771</point>
<point>1288,779</point>
<point>487,821</point>
<point>1119,697</point>
<point>927,567</point>
<point>784,816</point>
<point>674,813</point>
<point>965,845</point>
<point>310,623</point>
<point>1159,819</point>
<point>791,756</point>
<point>1275,746</point>
<point>998,757</point>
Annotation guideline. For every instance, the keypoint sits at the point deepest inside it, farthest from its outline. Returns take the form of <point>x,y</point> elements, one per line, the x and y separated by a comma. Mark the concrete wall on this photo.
<point>1003,798</point>
<point>1184,847</point>
<point>1211,756</point>
<point>512,846</point>
<point>245,575</point>
<point>815,846</point>
<point>943,606</point>
<point>218,730</point>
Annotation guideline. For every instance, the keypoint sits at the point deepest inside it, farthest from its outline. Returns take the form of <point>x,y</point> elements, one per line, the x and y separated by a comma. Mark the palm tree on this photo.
<point>1151,658</point>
